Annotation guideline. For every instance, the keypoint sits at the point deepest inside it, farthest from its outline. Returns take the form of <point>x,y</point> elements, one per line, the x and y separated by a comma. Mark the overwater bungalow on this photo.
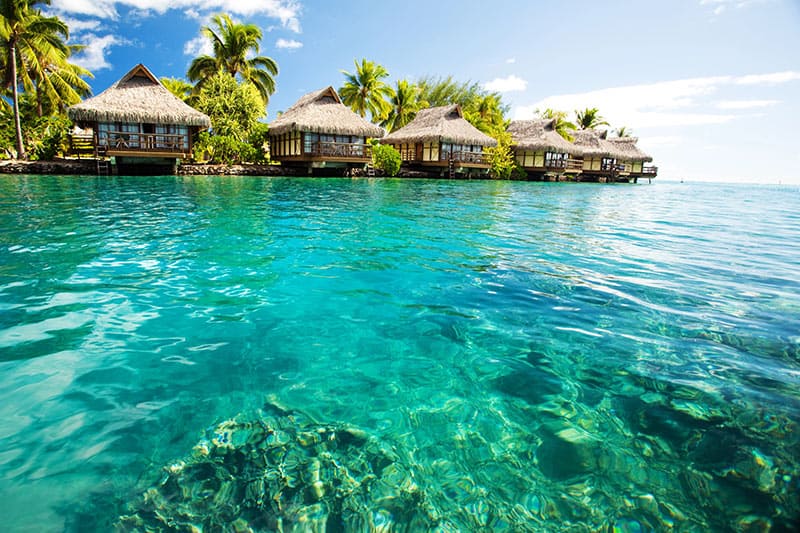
<point>319,131</point>
<point>139,124</point>
<point>631,160</point>
<point>541,151</point>
<point>441,138</point>
<point>598,155</point>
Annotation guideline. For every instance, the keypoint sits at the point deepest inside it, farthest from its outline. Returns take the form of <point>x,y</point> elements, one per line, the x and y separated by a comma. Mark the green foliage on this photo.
<point>236,47</point>
<point>180,88</point>
<point>589,118</point>
<point>404,105</point>
<point>44,137</point>
<point>259,140</point>
<point>365,91</point>
<point>483,109</point>
<point>35,56</point>
<point>501,158</point>
<point>223,149</point>
<point>562,125</point>
<point>386,158</point>
<point>234,108</point>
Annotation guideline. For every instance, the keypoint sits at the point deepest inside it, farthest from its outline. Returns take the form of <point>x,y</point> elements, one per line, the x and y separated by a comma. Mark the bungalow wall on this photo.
<point>304,144</point>
<point>541,159</point>
<point>437,151</point>
<point>144,136</point>
<point>598,164</point>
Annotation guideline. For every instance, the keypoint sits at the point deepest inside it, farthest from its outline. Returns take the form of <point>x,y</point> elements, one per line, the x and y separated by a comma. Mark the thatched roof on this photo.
<point>323,112</point>
<point>627,145</point>
<point>138,97</point>
<point>540,135</point>
<point>446,123</point>
<point>593,143</point>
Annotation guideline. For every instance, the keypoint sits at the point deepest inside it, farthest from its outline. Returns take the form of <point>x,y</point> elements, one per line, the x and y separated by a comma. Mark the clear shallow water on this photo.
<point>539,356</point>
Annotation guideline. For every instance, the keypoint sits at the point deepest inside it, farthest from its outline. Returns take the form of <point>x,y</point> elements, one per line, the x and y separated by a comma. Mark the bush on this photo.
<point>503,164</point>
<point>386,158</point>
<point>222,149</point>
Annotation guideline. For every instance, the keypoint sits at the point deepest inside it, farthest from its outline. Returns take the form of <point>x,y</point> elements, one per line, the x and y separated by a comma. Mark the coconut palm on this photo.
<point>365,90</point>
<point>22,27</point>
<point>623,131</point>
<point>405,102</point>
<point>486,112</point>
<point>180,88</point>
<point>235,48</point>
<point>58,83</point>
<point>561,125</point>
<point>589,118</point>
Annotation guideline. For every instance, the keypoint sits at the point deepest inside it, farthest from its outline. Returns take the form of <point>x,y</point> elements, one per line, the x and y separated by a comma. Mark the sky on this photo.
<point>710,87</point>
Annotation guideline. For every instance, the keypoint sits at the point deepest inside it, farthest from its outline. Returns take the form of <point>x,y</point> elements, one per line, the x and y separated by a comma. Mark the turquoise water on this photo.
<point>519,356</point>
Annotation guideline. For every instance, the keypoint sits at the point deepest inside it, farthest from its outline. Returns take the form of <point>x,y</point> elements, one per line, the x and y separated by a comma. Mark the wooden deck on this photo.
<point>459,159</point>
<point>331,151</point>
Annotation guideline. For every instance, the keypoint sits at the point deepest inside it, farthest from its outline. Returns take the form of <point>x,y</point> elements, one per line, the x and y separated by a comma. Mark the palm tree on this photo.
<point>365,90</point>
<point>623,131</point>
<point>180,88</point>
<point>589,118</point>
<point>404,105</point>
<point>19,25</point>
<point>486,112</point>
<point>58,83</point>
<point>562,126</point>
<point>233,44</point>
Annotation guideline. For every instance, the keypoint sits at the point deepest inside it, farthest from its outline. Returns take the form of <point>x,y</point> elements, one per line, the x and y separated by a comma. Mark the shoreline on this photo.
<point>88,167</point>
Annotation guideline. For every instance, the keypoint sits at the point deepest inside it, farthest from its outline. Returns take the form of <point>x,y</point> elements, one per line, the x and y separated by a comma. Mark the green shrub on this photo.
<point>386,158</point>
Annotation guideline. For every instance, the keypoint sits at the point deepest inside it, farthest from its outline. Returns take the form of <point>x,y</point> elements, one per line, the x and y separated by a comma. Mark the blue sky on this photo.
<point>711,87</point>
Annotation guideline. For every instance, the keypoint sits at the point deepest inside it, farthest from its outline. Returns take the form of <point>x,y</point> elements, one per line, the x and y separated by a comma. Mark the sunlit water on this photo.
<point>539,356</point>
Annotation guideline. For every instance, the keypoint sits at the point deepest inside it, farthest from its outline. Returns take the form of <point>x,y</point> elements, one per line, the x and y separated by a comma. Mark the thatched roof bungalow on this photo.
<point>631,159</point>
<point>599,156</point>
<point>538,148</point>
<point>441,137</point>
<point>138,117</point>
<point>319,130</point>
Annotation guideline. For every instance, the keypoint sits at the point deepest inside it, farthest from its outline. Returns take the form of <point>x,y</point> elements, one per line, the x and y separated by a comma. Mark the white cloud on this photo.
<point>93,57</point>
<point>290,44</point>
<point>685,102</point>
<point>200,45</point>
<point>511,60</point>
<point>286,11</point>
<point>720,6</point>
<point>746,104</point>
<point>768,79</point>
<point>505,85</point>
<point>78,26</point>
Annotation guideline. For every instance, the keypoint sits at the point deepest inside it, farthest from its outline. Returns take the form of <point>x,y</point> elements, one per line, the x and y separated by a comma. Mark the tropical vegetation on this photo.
<point>234,109</point>
<point>236,47</point>
<point>386,158</point>
<point>35,58</point>
<point>364,91</point>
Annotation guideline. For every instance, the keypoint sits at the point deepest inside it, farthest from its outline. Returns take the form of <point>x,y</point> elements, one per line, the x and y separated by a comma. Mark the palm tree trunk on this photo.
<point>15,98</point>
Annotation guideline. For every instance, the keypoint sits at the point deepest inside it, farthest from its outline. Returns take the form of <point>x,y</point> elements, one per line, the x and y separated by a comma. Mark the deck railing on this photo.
<point>411,154</point>
<point>144,142</point>
<point>464,157</point>
<point>649,170</point>
<point>343,150</point>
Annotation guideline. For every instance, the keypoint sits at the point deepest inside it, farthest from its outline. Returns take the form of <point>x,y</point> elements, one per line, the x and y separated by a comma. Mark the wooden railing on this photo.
<point>343,150</point>
<point>81,144</point>
<point>464,157</point>
<point>649,170</point>
<point>574,165</point>
<point>144,142</point>
<point>410,154</point>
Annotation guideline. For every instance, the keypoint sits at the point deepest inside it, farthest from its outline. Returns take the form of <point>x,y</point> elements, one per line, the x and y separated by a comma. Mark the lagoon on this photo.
<point>507,355</point>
